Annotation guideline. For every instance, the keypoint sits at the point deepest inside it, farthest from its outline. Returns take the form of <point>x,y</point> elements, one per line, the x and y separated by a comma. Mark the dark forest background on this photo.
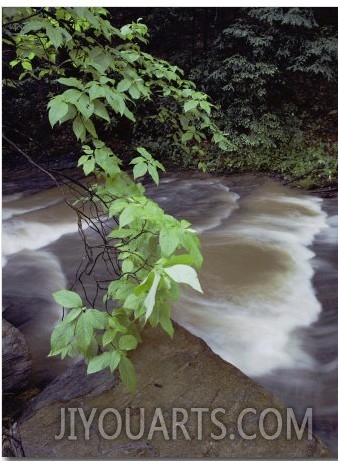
<point>271,73</point>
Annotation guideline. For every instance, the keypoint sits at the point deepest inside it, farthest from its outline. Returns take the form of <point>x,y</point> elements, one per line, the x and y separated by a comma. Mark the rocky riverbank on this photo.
<point>182,373</point>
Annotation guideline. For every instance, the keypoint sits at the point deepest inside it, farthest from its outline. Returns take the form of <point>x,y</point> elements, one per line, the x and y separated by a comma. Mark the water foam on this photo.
<point>257,282</point>
<point>11,197</point>
<point>9,212</point>
<point>206,202</point>
<point>35,221</point>
<point>19,235</point>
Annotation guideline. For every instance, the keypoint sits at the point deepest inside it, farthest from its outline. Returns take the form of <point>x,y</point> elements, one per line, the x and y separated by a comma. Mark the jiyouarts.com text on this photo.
<point>198,423</point>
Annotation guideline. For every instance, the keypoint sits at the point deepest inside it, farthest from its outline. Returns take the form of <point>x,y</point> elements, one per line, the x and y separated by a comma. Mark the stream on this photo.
<point>270,272</point>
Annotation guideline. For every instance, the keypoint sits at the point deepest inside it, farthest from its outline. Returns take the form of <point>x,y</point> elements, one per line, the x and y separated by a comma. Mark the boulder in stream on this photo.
<point>16,360</point>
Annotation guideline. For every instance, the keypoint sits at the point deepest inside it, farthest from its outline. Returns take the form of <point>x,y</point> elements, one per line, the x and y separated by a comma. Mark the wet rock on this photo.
<point>182,374</point>
<point>11,445</point>
<point>16,361</point>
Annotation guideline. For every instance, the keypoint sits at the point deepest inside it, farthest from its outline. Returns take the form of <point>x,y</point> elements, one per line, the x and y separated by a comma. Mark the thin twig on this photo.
<point>30,160</point>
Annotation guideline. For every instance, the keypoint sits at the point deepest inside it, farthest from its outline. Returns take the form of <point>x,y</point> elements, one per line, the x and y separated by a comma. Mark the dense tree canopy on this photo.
<point>272,72</point>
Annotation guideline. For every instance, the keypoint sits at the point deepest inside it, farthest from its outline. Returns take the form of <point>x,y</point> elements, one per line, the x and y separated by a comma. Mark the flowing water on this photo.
<point>269,278</point>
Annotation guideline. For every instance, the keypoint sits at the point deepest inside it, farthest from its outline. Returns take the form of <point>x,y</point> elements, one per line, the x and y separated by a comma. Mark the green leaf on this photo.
<point>136,160</point>
<point>72,95</point>
<point>79,128</point>
<point>190,241</point>
<point>206,106</point>
<point>68,350</point>
<point>117,206</point>
<point>127,266</point>
<point>127,342</point>
<point>33,26</point>
<point>130,55</point>
<point>127,373</point>
<point>114,360</point>
<point>73,314</point>
<point>134,92</point>
<point>61,336</point>
<point>187,136</point>
<point>202,166</point>
<point>140,169</point>
<point>101,156</point>
<point>84,331</point>
<point>165,320</point>
<point>144,153</point>
<point>129,114</point>
<point>65,34</point>
<point>128,215</point>
<point>185,224</point>
<point>21,76</point>
<point>168,241</point>
<point>14,62</point>
<point>121,105</point>
<point>116,101</point>
<point>149,302</point>
<point>112,168</point>
<point>121,233</point>
<point>159,165</point>
<point>100,110</point>
<point>90,127</point>
<point>87,149</point>
<point>89,166</point>
<point>71,81</point>
<point>114,323</point>
<point>98,144</point>
<point>145,285</point>
<point>96,91</point>
<point>70,114</point>
<point>124,85</point>
<point>96,318</point>
<point>108,337</point>
<point>54,35</point>
<point>181,259</point>
<point>85,106</point>
<point>98,363</point>
<point>67,299</point>
<point>190,105</point>
<point>120,289</point>
<point>57,110</point>
<point>182,273</point>
<point>26,65</point>
<point>154,174</point>
<point>135,303</point>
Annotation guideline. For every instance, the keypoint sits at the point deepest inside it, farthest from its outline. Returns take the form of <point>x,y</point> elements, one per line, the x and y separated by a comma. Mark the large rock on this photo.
<point>16,360</point>
<point>172,374</point>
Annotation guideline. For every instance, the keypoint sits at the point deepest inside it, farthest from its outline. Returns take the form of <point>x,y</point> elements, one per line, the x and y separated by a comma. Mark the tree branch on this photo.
<point>29,159</point>
<point>19,21</point>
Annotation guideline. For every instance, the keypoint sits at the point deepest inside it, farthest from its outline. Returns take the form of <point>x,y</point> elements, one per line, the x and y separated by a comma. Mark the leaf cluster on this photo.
<point>102,73</point>
<point>253,73</point>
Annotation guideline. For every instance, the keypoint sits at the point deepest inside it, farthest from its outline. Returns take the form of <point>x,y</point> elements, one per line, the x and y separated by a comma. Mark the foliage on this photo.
<point>253,74</point>
<point>102,74</point>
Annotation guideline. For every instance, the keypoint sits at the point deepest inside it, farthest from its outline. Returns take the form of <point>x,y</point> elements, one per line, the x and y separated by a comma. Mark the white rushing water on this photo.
<point>256,274</point>
<point>34,221</point>
<point>259,309</point>
<point>257,283</point>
